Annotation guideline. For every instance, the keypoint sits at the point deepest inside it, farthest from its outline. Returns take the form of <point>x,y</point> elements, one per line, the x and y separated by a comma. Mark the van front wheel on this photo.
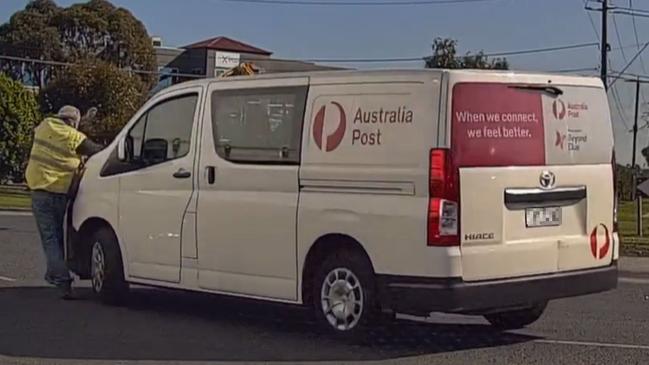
<point>106,268</point>
<point>517,318</point>
<point>343,290</point>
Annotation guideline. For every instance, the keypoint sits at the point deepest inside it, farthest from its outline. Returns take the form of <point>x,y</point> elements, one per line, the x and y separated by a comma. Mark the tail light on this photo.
<point>444,197</point>
<point>615,197</point>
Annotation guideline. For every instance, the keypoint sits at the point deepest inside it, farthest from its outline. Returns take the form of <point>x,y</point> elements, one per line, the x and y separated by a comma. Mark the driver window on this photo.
<point>168,129</point>
<point>161,134</point>
<point>164,132</point>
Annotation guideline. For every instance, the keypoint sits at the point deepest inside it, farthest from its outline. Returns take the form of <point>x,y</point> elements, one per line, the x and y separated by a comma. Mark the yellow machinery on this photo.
<point>244,69</point>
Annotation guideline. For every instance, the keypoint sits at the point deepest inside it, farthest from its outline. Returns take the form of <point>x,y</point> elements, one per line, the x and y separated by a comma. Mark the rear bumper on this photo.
<point>420,296</point>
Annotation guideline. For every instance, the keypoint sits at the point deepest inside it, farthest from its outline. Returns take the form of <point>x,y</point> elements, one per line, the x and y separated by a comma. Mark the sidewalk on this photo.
<point>634,265</point>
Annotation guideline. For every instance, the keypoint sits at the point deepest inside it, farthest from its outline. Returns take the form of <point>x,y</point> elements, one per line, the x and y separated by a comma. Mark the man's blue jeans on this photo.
<point>49,211</point>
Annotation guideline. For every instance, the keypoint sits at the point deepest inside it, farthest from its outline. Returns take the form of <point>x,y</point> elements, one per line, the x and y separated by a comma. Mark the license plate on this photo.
<point>543,217</point>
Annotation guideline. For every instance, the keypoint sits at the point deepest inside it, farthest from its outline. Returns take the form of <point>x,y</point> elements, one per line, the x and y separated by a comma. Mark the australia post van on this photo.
<point>359,194</point>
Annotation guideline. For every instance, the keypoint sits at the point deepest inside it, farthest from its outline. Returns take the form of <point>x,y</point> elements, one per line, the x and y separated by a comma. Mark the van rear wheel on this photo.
<point>517,318</point>
<point>343,292</point>
<point>106,268</point>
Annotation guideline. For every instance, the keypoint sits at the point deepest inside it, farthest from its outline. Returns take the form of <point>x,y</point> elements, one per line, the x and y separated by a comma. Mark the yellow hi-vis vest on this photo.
<point>53,159</point>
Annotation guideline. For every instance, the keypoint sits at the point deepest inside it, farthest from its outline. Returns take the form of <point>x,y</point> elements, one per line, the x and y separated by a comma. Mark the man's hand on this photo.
<point>88,148</point>
<point>90,115</point>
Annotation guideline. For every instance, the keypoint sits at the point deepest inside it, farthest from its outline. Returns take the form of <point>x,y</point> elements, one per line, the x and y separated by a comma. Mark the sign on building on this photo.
<point>226,60</point>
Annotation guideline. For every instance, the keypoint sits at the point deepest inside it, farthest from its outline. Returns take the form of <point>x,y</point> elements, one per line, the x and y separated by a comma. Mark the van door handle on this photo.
<point>182,174</point>
<point>211,174</point>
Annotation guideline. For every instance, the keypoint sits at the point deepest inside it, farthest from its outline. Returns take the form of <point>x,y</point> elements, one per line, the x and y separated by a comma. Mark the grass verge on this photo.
<point>631,243</point>
<point>12,197</point>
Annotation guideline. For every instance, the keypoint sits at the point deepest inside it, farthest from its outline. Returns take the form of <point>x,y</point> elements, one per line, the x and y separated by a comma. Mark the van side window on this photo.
<point>161,134</point>
<point>259,125</point>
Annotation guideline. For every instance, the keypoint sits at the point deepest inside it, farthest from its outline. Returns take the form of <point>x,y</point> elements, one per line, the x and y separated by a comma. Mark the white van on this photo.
<point>360,193</point>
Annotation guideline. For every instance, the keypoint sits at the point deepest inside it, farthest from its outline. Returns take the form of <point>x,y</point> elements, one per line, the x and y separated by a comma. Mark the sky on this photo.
<point>350,32</point>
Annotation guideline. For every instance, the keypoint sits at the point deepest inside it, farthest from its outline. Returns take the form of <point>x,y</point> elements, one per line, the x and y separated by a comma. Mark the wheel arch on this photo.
<point>83,244</point>
<point>321,248</point>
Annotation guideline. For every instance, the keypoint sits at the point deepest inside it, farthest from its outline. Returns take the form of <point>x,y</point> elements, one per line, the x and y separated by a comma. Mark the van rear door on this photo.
<point>536,179</point>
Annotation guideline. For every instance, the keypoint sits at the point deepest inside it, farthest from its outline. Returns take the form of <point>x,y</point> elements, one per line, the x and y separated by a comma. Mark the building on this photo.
<point>211,57</point>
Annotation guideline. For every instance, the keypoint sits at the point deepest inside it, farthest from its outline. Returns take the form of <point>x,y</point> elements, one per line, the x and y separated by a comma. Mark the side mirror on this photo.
<point>121,150</point>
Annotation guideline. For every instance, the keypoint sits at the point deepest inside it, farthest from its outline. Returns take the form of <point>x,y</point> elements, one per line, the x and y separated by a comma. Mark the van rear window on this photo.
<point>496,124</point>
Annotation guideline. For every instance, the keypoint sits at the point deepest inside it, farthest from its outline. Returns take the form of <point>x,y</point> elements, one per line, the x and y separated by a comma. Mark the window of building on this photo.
<point>259,125</point>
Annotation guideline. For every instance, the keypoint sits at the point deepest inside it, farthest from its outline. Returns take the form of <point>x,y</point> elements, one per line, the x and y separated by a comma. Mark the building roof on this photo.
<point>228,44</point>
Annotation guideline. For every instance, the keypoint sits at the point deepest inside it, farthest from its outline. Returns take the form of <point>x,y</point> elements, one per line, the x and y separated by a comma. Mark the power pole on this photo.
<point>635,121</point>
<point>604,45</point>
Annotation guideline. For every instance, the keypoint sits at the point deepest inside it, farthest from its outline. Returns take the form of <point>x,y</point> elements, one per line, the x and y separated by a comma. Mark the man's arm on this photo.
<point>88,148</point>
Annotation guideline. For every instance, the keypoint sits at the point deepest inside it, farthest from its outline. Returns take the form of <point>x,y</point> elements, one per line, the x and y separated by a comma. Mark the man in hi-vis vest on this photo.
<point>54,159</point>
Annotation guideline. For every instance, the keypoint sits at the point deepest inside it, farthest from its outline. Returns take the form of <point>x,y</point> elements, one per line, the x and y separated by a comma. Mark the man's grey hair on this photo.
<point>70,115</point>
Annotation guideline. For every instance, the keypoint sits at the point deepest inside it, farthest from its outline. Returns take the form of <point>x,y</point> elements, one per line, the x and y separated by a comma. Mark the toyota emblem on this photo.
<point>547,180</point>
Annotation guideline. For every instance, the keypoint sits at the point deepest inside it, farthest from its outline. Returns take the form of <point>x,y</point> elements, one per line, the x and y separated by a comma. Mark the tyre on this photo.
<point>344,294</point>
<point>516,319</point>
<point>107,268</point>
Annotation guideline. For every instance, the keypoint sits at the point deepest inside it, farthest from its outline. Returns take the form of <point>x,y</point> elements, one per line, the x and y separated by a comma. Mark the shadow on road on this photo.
<point>165,325</point>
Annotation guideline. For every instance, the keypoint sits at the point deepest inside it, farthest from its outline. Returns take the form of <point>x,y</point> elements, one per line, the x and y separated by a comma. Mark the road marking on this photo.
<point>633,280</point>
<point>4,278</point>
<point>594,344</point>
<point>8,213</point>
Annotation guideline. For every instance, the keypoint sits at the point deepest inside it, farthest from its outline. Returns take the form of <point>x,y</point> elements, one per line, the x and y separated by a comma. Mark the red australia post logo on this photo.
<point>560,141</point>
<point>599,248</point>
<point>331,141</point>
<point>559,109</point>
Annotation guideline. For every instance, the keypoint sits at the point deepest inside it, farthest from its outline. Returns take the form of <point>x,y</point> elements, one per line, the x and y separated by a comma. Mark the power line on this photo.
<point>357,3</point>
<point>619,40</point>
<point>631,9</point>
<point>632,75</point>
<point>413,59</point>
<point>568,70</point>
<point>618,107</point>
<point>592,22</point>
<point>69,64</point>
<point>635,32</point>
<point>617,100</point>
<point>631,62</point>
<point>604,47</point>
<point>630,13</point>
<point>494,54</point>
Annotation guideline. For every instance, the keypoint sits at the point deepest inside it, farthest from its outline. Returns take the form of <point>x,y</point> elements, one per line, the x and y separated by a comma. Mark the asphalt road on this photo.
<point>166,327</point>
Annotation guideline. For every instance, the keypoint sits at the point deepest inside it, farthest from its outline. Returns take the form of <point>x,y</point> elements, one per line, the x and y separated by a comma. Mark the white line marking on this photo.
<point>595,344</point>
<point>633,280</point>
<point>4,278</point>
<point>8,213</point>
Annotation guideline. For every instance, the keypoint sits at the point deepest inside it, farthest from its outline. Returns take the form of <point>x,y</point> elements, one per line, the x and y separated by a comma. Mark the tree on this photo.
<point>18,116</point>
<point>115,92</point>
<point>88,44</point>
<point>99,29</point>
<point>645,154</point>
<point>31,33</point>
<point>95,29</point>
<point>445,56</point>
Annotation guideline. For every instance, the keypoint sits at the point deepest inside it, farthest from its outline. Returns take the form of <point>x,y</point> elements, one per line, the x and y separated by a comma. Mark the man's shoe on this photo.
<point>67,293</point>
